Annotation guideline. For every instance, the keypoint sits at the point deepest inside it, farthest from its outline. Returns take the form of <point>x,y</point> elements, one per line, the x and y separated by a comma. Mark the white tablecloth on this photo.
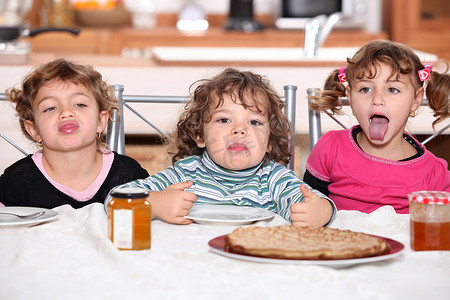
<point>71,258</point>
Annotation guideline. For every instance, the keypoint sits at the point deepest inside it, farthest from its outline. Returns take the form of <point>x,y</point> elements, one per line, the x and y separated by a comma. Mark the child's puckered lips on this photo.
<point>68,127</point>
<point>238,147</point>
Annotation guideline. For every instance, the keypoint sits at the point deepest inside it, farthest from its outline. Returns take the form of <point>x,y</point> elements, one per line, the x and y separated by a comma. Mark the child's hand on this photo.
<point>313,211</point>
<point>173,203</point>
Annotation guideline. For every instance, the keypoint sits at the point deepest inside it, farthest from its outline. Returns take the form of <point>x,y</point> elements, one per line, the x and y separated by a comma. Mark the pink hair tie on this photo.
<point>341,75</point>
<point>425,73</point>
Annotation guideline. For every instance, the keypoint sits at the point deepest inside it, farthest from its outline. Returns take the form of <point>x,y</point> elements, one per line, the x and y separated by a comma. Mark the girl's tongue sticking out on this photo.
<point>378,126</point>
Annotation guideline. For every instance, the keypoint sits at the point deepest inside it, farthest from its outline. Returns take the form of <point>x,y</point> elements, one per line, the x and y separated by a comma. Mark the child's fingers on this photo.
<point>187,204</point>
<point>190,198</point>
<point>300,214</point>
<point>298,208</point>
<point>185,195</point>
<point>180,221</point>
<point>184,221</point>
<point>307,193</point>
<point>181,185</point>
<point>184,212</point>
<point>299,223</point>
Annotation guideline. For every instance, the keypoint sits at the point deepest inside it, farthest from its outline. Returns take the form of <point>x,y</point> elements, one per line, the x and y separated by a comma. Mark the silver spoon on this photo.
<point>29,216</point>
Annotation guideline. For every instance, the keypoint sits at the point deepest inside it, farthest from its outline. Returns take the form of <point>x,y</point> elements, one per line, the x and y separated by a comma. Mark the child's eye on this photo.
<point>365,90</point>
<point>50,109</point>
<point>80,105</point>
<point>223,120</point>
<point>255,122</point>
<point>393,90</point>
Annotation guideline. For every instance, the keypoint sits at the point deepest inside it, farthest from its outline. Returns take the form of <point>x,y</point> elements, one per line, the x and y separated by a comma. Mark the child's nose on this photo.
<point>66,112</point>
<point>378,98</point>
<point>241,130</point>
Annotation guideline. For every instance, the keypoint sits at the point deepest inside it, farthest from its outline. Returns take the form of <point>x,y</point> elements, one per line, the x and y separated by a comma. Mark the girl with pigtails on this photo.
<point>376,162</point>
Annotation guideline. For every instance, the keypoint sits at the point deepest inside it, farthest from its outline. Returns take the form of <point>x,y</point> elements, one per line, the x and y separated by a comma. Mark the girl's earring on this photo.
<point>412,114</point>
<point>40,143</point>
<point>99,134</point>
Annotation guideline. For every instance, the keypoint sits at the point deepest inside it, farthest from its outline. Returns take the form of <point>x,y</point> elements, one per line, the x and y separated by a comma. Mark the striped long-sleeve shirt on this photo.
<point>269,186</point>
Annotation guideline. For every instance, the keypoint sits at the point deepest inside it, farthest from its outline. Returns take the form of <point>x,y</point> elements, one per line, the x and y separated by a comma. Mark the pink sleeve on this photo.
<point>440,176</point>
<point>322,157</point>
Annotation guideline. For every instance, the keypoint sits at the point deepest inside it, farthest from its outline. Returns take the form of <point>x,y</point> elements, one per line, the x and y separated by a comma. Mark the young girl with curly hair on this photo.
<point>64,107</point>
<point>231,146</point>
<point>377,162</point>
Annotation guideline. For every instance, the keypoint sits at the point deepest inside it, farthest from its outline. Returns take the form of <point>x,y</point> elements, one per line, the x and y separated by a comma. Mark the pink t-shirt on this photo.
<point>108,158</point>
<point>362,182</point>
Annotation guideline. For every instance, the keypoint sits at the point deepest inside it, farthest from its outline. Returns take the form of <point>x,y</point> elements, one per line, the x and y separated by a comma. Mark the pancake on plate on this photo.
<point>290,242</point>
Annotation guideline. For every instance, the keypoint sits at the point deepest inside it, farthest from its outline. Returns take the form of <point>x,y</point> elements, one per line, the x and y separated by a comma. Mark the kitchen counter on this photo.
<point>115,40</point>
<point>105,60</point>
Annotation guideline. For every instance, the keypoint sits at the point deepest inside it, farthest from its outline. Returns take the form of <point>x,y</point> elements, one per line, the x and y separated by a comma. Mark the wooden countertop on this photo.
<point>104,60</point>
<point>114,40</point>
<point>218,37</point>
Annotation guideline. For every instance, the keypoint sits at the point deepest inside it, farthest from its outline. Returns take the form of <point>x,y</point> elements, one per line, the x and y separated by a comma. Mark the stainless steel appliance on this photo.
<point>362,14</point>
<point>240,16</point>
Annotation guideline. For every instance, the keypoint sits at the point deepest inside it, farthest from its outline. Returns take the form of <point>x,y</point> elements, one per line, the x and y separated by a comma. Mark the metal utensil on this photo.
<point>29,216</point>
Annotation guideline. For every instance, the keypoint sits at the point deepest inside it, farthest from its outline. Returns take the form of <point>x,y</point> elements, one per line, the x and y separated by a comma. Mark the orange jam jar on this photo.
<point>129,219</point>
<point>429,220</point>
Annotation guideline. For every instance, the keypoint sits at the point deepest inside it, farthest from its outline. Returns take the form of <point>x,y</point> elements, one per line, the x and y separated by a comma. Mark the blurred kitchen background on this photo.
<point>160,47</point>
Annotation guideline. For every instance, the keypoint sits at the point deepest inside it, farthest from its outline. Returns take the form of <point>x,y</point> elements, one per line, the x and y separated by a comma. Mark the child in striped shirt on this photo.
<point>231,146</point>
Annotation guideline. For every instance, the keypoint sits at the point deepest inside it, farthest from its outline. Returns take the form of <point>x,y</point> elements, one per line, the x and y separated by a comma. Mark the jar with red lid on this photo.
<point>429,220</point>
<point>129,219</point>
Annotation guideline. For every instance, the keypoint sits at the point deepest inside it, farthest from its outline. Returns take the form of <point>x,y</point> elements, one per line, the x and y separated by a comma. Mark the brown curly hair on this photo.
<point>59,70</point>
<point>402,60</point>
<point>236,84</point>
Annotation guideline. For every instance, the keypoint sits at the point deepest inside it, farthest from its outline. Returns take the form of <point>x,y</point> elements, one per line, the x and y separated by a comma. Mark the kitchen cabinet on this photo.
<point>88,41</point>
<point>422,25</point>
<point>113,40</point>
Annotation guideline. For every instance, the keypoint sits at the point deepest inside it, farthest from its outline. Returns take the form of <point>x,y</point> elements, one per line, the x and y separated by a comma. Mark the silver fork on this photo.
<point>29,216</point>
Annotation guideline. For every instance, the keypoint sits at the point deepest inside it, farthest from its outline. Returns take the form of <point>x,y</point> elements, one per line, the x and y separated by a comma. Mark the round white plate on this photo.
<point>217,245</point>
<point>227,214</point>
<point>9,221</point>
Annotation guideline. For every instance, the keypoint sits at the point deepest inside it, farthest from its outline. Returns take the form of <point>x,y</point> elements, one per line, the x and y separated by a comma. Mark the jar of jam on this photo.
<point>129,219</point>
<point>429,220</point>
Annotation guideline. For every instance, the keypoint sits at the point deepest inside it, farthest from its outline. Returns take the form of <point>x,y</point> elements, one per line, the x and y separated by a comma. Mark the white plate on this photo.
<point>217,245</point>
<point>227,214</point>
<point>9,221</point>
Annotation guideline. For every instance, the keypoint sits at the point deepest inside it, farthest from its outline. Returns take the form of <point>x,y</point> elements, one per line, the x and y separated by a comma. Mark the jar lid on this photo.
<point>430,197</point>
<point>130,192</point>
